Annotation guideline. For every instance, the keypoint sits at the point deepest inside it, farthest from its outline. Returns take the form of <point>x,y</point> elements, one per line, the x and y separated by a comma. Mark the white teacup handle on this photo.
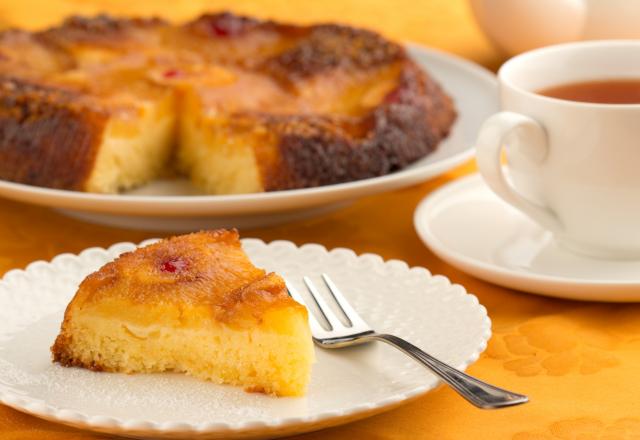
<point>533,139</point>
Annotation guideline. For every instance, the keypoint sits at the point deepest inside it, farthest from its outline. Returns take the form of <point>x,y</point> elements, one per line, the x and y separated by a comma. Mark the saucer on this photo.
<point>468,226</point>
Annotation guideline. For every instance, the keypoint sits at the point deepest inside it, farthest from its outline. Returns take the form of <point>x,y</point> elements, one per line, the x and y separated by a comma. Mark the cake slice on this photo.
<point>193,304</point>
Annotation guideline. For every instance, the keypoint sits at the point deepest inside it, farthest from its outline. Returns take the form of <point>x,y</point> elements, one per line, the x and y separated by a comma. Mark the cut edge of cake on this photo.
<point>135,147</point>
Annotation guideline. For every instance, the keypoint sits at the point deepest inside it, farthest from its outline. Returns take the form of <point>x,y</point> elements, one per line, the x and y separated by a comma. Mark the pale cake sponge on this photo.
<point>219,157</point>
<point>136,145</point>
<point>222,146</point>
<point>192,304</point>
<point>137,137</point>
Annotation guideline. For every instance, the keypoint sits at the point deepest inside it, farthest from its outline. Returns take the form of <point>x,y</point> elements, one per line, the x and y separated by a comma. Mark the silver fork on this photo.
<point>479,393</point>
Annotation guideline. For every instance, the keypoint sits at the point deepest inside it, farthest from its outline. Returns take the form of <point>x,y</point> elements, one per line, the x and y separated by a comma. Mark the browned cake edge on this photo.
<point>320,150</point>
<point>48,136</point>
<point>62,353</point>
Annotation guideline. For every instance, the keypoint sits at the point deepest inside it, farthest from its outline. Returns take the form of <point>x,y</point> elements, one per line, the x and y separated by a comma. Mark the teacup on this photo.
<point>573,167</point>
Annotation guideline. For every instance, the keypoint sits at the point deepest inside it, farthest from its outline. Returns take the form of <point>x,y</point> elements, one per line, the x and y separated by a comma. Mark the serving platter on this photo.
<point>346,384</point>
<point>174,205</point>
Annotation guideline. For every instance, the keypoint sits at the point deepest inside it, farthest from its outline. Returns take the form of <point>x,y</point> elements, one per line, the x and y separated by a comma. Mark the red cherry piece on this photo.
<point>172,73</point>
<point>173,266</point>
<point>393,96</point>
<point>226,25</point>
<point>220,30</point>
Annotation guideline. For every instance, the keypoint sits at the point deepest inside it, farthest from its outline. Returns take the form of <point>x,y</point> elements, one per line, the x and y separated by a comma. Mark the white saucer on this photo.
<point>174,205</point>
<point>346,384</point>
<point>469,227</point>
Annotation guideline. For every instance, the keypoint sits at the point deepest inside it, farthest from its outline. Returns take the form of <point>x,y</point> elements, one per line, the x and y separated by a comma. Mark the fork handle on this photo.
<point>479,393</point>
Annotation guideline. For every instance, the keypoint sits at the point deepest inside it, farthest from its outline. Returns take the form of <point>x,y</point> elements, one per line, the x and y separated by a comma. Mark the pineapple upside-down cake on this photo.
<point>237,104</point>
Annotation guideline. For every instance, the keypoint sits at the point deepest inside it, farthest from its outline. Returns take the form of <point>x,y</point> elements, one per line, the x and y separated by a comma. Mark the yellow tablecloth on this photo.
<point>578,362</point>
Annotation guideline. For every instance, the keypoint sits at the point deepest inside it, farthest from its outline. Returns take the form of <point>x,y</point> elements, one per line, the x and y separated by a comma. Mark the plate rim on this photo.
<point>547,285</point>
<point>277,428</point>
<point>119,204</point>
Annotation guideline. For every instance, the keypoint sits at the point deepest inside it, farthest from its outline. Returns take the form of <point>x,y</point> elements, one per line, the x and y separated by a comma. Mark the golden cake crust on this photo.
<point>317,133</point>
<point>178,270</point>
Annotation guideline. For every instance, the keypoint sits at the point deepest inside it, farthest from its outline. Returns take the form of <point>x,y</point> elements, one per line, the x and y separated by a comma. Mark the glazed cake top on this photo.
<point>199,275</point>
<point>321,69</point>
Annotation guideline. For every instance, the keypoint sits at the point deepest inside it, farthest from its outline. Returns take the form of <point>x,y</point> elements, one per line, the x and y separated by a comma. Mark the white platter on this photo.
<point>471,228</point>
<point>174,205</point>
<point>346,384</point>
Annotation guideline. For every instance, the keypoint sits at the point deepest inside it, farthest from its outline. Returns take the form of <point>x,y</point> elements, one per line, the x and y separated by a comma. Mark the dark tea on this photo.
<point>612,91</point>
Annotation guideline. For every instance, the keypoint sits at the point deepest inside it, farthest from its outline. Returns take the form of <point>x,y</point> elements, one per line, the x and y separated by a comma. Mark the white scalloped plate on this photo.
<point>346,384</point>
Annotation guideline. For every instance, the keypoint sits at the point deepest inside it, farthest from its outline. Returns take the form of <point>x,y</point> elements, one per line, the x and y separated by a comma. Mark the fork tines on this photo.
<point>334,326</point>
